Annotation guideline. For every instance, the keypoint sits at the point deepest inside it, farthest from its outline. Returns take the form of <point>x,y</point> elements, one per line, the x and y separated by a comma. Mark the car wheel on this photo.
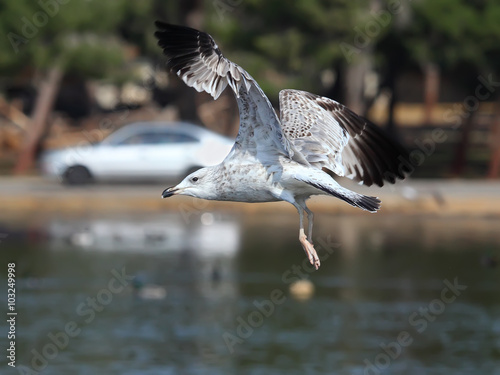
<point>77,175</point>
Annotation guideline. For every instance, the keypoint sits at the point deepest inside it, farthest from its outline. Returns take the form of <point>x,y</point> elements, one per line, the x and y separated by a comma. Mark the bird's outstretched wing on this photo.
<point>195,57</point>
<point>333,138</point>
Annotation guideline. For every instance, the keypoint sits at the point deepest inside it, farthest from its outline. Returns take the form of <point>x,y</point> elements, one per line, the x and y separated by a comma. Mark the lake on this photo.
<point>214,293</point>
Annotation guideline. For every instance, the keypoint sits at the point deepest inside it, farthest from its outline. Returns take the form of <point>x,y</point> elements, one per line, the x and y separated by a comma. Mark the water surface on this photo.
<point>210,294</point>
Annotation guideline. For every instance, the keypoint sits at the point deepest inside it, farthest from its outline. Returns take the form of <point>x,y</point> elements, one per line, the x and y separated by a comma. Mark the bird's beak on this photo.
<point>168,192</point>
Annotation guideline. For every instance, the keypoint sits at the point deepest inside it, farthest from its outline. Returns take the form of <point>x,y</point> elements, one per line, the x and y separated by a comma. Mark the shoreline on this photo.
<point>21,196</point>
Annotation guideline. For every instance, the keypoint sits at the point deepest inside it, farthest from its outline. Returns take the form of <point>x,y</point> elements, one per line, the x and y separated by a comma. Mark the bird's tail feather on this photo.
<point>365,202</point>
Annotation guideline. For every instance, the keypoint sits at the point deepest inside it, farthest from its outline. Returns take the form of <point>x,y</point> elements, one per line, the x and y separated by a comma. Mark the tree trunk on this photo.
<point>391,84</point>
<point>186,98</point>
<point>463,145</point>
<point>494,164</point>
<point>354,84</point>
<point>393,50</point>
<point>431,90</point>
<point>43,107</point>
<point>391,123</point>
<point>494,167</point>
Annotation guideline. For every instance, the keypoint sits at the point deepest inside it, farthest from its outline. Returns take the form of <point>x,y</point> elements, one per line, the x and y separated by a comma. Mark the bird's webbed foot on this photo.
<point>309,250</point>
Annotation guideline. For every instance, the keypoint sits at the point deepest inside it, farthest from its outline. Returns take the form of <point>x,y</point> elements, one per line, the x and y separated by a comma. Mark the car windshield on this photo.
<point>155,138</point>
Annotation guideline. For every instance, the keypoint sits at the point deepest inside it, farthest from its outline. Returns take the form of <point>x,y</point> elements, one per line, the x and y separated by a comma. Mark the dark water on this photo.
<point>211,295</point>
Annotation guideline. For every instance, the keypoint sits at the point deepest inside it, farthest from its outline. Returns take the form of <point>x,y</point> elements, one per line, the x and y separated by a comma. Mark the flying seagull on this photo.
<point>289,158</point>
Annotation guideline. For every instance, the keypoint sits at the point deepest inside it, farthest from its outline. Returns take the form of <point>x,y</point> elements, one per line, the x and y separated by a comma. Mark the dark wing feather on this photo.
<point>195,57</point>
<point>332,137</point>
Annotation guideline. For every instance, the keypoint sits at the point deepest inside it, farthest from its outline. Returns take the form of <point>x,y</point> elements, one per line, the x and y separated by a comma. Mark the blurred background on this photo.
<point>92,129</point>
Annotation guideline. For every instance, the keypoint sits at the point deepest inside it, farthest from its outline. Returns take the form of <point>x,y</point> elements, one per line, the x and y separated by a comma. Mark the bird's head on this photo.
<point>199,184</point>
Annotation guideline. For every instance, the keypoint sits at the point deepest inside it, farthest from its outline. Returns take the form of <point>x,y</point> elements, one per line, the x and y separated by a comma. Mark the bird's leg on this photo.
<point>310,221</point>
<point>308,246</point>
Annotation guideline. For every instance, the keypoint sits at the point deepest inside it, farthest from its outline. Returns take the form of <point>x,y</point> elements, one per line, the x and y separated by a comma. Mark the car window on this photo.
<point>156,138</point>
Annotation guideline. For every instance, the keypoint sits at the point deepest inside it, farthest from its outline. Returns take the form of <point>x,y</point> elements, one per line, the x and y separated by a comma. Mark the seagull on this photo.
<point>286,158</point>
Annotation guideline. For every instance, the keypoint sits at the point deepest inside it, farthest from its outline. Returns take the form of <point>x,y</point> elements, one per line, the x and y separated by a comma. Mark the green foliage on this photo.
<point>453,32</point>
<point>91,56</point>
<point>81,35</point>
<point>284,43</point>
<point>281,43</point>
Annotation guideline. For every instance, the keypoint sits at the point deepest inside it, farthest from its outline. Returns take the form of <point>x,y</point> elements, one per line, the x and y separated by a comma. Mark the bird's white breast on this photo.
<point>248,182</point>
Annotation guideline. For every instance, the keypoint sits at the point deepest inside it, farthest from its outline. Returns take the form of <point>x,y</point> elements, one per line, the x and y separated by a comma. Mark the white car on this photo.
<point>139,151</point>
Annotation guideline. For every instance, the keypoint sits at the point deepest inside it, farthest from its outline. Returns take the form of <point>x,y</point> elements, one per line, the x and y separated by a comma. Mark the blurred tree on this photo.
<point>292,44</point>
<point>329,47</point>
<point>455,35</point>
<point>494,167</point>
<point>392,56</point>
<point>50,38</point>
<point>189,13</point>
<point>347,50</point>
<point>325,46</point>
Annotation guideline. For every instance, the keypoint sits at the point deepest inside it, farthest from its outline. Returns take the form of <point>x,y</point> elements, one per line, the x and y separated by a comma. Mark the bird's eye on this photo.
<point>194,179</point>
